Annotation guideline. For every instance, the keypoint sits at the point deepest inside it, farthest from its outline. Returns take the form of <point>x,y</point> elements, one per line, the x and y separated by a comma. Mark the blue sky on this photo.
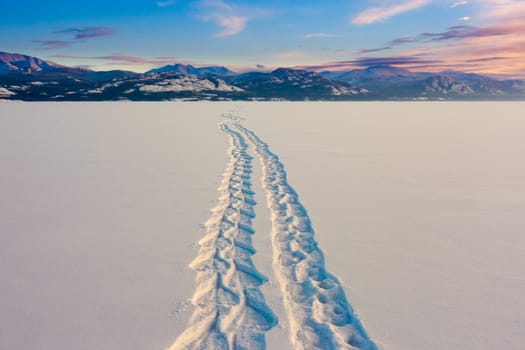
<point>477,35</point>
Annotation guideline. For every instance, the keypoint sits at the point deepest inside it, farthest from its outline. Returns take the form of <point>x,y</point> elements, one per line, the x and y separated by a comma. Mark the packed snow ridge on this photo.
<point>231,312</point>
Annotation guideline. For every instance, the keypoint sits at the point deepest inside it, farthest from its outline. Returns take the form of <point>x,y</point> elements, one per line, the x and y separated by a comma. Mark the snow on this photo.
<point>417,208</point>
<point>5,92</point>
<point>189,83</point>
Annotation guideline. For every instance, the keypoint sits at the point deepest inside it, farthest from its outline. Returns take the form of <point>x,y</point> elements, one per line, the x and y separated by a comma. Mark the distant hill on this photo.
<point>30,78</point>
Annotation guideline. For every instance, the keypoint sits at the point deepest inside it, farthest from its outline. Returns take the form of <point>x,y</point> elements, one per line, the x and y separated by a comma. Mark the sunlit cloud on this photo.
<point>231,25</point>
<point>502,9</point>
<point>378,14</point>
<point>464,19</point>
<point>231,19</point>
<point>458,3</point>
<point>318,35</point>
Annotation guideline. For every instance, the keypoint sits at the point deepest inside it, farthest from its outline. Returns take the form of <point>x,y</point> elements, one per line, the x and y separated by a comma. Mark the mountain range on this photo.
<point>28,78</point>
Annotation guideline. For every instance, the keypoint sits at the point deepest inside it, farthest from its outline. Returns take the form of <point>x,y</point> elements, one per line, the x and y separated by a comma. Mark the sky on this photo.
<point>478,36</point>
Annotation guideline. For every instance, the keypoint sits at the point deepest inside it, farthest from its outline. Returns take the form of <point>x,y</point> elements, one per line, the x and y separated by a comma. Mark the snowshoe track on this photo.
<point>231,312</point>
<point>319,314</point>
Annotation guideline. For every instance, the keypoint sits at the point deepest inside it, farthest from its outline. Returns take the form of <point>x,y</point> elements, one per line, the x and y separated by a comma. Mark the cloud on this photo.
<point>464,31</point>
<point>461,32</point>
<point>464,19</point>
<point>502,9</point>
<point>318,35</point>
<point>166,3</point>
<point>52,44</point>
<point>124,59</point>
<point>401,41</point>
<point>486,59</point>
<point>77,34</point>
<point>391,60</point>
<point>83,33</point>
<point>231,25</point>
<point>375,50</point>
<point>227,17</point>
<point>458,3</point>
<point>374,61</point>
<point>378,14</point>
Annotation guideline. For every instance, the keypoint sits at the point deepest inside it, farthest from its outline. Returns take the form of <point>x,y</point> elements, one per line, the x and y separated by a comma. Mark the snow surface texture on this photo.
<point>418,208</point>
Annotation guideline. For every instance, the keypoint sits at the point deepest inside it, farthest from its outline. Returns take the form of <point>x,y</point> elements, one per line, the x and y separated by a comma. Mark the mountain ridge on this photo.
<point>28,78</point>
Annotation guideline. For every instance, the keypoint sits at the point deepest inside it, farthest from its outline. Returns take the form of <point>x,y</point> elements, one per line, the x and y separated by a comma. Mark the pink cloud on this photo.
<point>381,13</point>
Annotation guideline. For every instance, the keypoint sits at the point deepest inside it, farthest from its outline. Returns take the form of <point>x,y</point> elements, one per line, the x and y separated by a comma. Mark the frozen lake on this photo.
<point>417,207</point>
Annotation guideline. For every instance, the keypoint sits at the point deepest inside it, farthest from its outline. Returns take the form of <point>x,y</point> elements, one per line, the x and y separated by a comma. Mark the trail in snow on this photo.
<point>319,314</point>
<point>231,312</point>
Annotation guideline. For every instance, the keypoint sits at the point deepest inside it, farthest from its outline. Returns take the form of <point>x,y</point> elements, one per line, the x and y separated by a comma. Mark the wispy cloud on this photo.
<point>231,25</point>
<point>83,33</point>
<point>362,62</point>
<point>460,32</point>
<point>166,3</point>
<point>458,3</point>
<point>318,35</point>
<point>502,9</point>
<point>227,17</point>
<point>381,13</point>
<point>124,59</point>
<point>390,60</point>
<point>365,51</point>
<point>464,19</point>
<point>400,41</point>
<point>76,34</point>
<point>52,44</point>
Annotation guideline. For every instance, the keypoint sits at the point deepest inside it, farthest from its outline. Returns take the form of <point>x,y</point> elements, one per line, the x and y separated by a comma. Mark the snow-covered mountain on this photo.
<point>388,82</point>
<point>197,71</point>
<point>17,63</point>
<point>379,72</point>
<point>294,84</point>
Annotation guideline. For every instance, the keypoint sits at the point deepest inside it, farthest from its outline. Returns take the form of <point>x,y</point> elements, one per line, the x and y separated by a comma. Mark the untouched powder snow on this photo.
<point>107,235</point>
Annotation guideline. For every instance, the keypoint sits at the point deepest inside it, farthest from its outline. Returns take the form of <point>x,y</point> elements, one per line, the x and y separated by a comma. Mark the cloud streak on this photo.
<point>378,14</point>
<point>83,33</point>
<point>318,35</point>
<point>364,51</point>
<point>458,3</point>
<point>76,34</point>
<point>124,59</point>
<point>53,44</point>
